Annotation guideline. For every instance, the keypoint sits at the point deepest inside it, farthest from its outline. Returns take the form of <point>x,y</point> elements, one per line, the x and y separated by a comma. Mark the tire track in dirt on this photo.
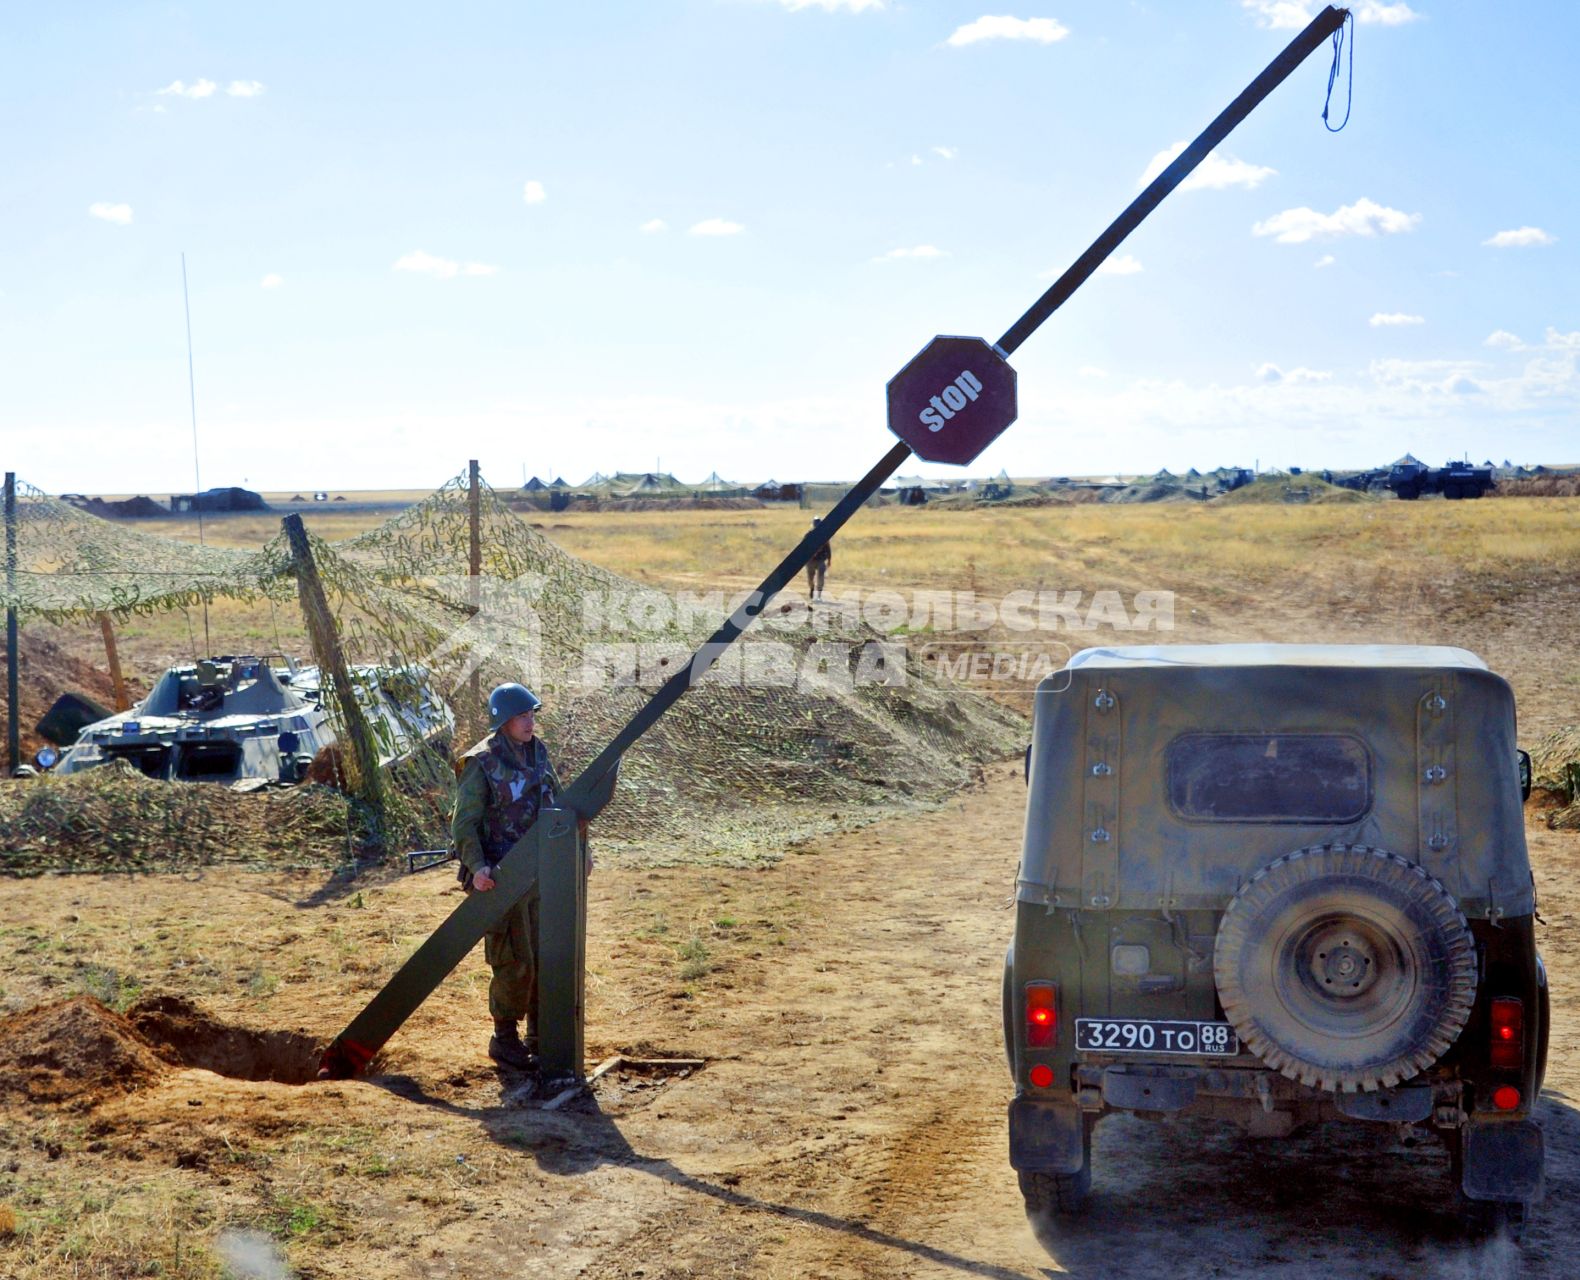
<point>915,1181</point>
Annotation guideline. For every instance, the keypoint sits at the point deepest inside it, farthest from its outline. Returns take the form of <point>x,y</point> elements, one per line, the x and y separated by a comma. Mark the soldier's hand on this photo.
<point>482,879</point>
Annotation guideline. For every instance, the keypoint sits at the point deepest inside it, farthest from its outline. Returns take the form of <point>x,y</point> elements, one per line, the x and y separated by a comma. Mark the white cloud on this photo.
<point>948,153</point>
<point>271,281</point>
<point>119,214</point>
<point>918,251</point>
<point>1092,371</point>
<point>653,226</point>
<point>1521,238</point>
<point>832,6</point>
<point>916,159</point>
<point>1214,173</point>
<point>441,268</point>
<point>1326,260</point>
<point>1291,15</point>
<point>1271,373</point>
<point>1383,318</point>
<point>716,227</point>
<point>1125,264</point>
<point>1363,218</point>
<point>1385,15</point>
<point>1503,340</point>
<point>1431,377</point>
<point>533,192</point>
<point>244,88</point>
<point>1278,15</point>
<point>1040,30</point>
<point>180,89</point>
<point>1562,341</point>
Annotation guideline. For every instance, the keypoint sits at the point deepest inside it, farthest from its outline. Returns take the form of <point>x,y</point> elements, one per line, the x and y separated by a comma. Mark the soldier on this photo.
<point>506,778</point>
<point>817,568</point>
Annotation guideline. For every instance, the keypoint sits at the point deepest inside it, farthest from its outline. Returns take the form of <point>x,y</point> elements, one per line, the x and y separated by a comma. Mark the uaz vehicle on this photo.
<point>1276,885</point>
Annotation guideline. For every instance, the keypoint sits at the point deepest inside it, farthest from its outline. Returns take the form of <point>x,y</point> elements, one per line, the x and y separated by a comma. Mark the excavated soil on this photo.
<point>44,673</point>
<point>74,1052</point>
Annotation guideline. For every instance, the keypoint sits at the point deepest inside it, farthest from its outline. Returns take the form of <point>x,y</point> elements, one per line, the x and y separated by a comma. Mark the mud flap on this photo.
<point>1503,1162</point>
<point>1045,1137</point>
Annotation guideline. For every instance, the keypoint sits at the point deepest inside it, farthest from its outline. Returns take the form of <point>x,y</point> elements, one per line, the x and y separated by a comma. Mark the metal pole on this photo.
<point>122,701</point>
<point>1276,72</point>
<point>474,555</point>
<point>332,665</point>
<point>474,569</point>
<point>13,659</point>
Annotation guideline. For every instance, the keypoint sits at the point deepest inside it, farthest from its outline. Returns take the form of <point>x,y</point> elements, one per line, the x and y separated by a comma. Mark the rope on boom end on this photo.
<point>1333,74</point>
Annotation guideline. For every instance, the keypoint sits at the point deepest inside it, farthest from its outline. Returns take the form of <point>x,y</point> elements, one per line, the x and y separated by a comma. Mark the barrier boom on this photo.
<point>952,400</point>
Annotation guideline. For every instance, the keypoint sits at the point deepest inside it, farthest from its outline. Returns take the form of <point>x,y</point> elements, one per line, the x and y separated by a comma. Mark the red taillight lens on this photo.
<point>1505,1097</point>
<point>1042,1014</point>
<point>1508,1033</point>
<point>1042,1076</point>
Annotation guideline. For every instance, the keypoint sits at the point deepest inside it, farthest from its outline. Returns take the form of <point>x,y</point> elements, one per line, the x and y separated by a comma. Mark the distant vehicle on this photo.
<point>233,718</point>
<point>1277,885</point>
<point>1454,480</point>
<point>320,497</point>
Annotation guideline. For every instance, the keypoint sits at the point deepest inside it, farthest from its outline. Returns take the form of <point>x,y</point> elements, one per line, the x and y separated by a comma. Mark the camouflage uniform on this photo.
<point>503,786</point>
<point>817,570</point>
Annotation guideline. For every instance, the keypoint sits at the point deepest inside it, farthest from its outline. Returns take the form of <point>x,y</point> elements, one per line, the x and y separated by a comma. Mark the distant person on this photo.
<point>505,779</point>
<point>817,568</point>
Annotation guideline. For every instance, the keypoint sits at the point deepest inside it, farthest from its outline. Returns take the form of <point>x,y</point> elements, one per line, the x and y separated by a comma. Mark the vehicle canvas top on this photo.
<point>1168,776</point>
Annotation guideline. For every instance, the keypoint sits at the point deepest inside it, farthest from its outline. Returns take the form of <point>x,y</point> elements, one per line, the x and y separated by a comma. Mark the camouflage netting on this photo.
<point>1555,778</point>
<point>734,771</point>
<point>115,819</point>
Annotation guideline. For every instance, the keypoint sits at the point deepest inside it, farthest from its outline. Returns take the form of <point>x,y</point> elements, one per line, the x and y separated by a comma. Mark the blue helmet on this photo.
<point>509,701</point>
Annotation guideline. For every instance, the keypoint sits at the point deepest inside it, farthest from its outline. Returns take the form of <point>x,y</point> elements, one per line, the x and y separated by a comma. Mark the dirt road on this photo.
<point>848,1123</point>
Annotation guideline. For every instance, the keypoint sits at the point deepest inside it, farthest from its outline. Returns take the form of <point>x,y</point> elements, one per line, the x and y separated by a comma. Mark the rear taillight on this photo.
<point>1042,1014</point>
<point>1508,1033</point>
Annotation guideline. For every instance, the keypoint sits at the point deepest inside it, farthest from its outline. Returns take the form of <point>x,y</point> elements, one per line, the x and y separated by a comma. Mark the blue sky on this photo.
<point>576,237</point>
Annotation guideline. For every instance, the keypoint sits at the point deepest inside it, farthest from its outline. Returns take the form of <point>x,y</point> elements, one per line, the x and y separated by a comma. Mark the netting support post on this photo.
<point>112,655</point>
<point>474,569</point>
<point>13,735</point>
<point>332,665</point>
<point>562,943</point>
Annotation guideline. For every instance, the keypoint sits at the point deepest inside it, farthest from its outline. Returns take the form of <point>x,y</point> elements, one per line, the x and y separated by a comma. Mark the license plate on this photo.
<point>1136,1035</point>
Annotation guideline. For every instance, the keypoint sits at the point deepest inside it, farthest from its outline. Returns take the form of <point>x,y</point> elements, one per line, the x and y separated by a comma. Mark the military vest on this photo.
<point>515,794</point>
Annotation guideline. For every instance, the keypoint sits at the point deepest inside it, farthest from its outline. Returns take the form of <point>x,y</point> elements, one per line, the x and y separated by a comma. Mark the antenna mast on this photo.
<point>197,475</point>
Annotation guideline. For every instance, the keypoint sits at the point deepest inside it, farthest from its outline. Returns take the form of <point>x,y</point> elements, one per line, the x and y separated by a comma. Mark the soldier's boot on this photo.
<point>506,1048</point>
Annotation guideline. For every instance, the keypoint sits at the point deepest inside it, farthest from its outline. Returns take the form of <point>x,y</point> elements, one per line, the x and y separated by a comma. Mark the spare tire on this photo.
<point>1345,967</point>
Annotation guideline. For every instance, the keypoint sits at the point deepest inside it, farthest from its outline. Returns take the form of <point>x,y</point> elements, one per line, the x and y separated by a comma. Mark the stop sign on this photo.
<point>952,400</point>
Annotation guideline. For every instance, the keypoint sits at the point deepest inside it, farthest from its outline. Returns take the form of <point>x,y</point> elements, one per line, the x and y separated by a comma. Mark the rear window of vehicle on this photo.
<point>1269,777</point>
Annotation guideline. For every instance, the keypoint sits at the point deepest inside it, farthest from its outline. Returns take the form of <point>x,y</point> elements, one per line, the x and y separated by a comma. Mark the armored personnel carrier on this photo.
<point>1277,885</point>
<point>1410,479</point>
<point>228,719</point>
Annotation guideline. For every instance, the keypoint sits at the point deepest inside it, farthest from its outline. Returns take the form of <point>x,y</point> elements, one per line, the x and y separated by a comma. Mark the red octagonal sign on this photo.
<point>952,400</point>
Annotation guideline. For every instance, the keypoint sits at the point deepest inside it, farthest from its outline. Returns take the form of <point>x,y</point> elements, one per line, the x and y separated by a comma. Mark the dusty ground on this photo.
<point>849,1121</point>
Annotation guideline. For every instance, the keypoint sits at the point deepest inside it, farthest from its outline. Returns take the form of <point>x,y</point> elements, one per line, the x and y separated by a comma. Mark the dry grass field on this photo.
<point>1495,577</point>
<point>849,1120</point>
